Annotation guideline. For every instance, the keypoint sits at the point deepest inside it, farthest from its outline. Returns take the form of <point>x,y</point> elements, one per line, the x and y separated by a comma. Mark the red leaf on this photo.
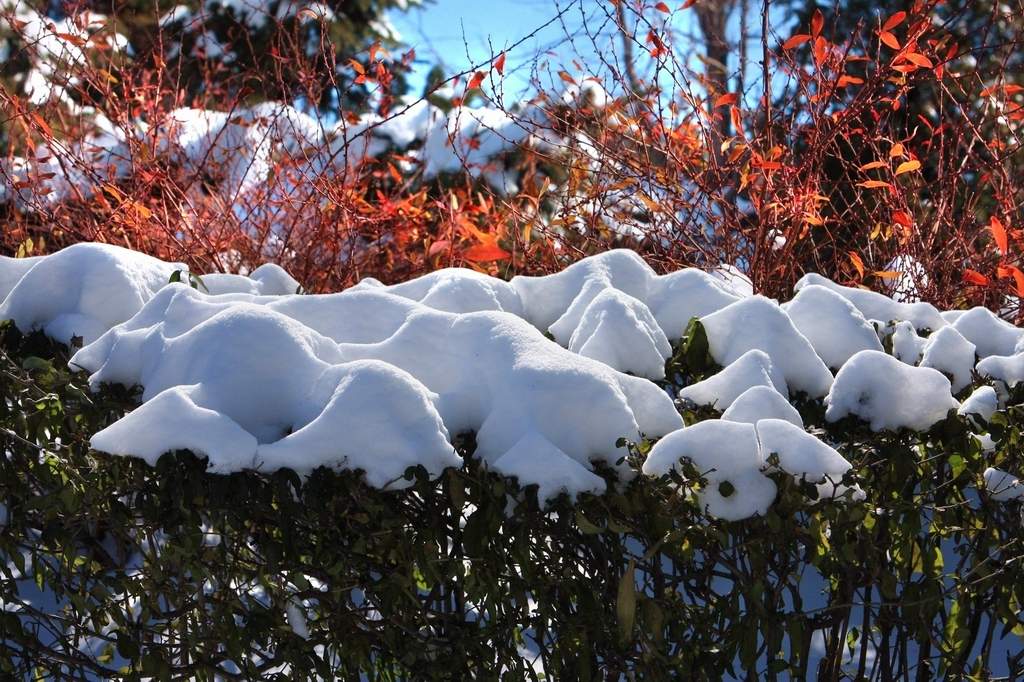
<point>972,277</point>
<point>475,81</point>
<point>566,77</point>
<point>499,64</point>
<point>1018,276</point>
<point>486,252</point>
<point>817,23</point>
<point>889,39</point>
<point>662,7</point>
<point>726,99</point>
<point>999,234</point>
<point>919,59</point>
<point>894,21</point>
<point>688,4</point>
<point>796,41</point>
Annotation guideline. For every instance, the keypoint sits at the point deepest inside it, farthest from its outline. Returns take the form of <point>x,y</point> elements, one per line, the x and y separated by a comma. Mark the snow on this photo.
<point>1009,369</point>
<point>762,402</point>
<point>556,302</point>
<point>759,323</point>
<point>800,454</point>
<point>621,332</point>
<point>989,334</point>
<point>889,394</point>
<point>983,402</point>
<point>907,346</point>
<point>722,452</point>
<point>378,379</point>
<point>82,290</point>
<point>949,352</point>
<point>1002,486</point>
<point>833,326</point>
<point>753,368</point>
<point>383,392</point>
<point>876,306</point>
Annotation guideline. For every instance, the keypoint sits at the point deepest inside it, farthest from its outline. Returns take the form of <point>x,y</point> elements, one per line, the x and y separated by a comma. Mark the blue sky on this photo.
<point>461,32</point>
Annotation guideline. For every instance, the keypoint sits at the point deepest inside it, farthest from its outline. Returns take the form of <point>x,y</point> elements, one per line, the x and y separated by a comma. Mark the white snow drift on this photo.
<point>547,372</point>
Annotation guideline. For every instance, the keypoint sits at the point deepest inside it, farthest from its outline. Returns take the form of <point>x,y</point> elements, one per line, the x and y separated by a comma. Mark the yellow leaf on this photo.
<point>873,165</point>
<point>908,167</point>
<point>873,184</point>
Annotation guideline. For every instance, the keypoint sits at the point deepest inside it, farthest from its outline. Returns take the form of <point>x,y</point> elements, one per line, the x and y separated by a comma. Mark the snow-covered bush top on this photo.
<point>549,373</point>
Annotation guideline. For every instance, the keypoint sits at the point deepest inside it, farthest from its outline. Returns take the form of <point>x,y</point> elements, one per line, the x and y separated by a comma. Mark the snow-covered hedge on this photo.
<point>531,459</point>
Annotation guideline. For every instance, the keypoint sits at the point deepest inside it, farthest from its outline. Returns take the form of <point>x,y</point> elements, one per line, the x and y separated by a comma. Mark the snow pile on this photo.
<point>879,307</point>
<point>379,378</point>
<point>752,369</point>
<point>889,394</point>
<point>949,352</point>
<point>1008,369</point>
<point>989,334</point>
<point>300,384</point>
<point>82,290</point>
<point>762,402</point>
<point>758,323</point>
<point>982,403</point>
<point>834,327</point>
<point>1003,487</point>
<point>728,456</point>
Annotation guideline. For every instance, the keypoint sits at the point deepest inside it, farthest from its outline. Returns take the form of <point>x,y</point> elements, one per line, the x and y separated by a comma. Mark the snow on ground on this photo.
<point>547,372</point>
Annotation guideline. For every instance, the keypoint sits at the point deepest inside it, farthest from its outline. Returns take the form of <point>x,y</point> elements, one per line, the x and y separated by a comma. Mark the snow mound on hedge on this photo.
<point>762,402</point>
<point>422,374</point>
<point>82,290</point>
<point>557,302</point>
<point>752,369</point>
<point>833,326</point>
<point>876,306</point>
<point>758,323</point>
<point>949,352</point>
<point>728,456</point>
<point>380,378</point>
<point>889,394</point>
<point>1002,486</point>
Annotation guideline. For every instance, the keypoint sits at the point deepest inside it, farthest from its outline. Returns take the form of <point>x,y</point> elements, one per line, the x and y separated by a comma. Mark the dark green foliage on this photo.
<point>177,573</point>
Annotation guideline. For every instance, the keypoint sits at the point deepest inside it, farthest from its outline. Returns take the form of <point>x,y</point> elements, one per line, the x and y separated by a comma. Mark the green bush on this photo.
<point>116,569</point>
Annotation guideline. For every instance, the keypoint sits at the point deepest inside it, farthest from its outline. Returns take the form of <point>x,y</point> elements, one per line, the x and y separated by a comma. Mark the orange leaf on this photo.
<point>726,99</point>
<point>357,67</point>
<point>902,219</point>
<point>857,262</point>
<point>999,234</point>
<point>499,64</point>
<point>475,81</point>
<point>886,274</point>
<point>889,39</point>
<point>908,167</point>
<point>845,80</point>
<point>972,277</point>
<point>817,23</point>
<point>873,165</point>
<point>486,252</point>
<point>897,150</point>
<point>1018,276</point>
<point>894,21</point>
<point>873,184</point>
<point>919,59</point>
<point>796,41</point>
<point>564,75</point>
<point>662,7</point>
